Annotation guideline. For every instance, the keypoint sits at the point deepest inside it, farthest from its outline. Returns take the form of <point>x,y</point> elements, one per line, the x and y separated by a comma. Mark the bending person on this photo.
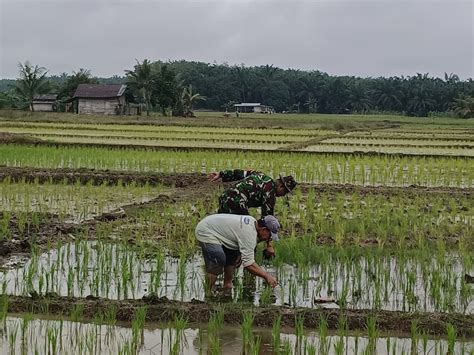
<point>228,239</point>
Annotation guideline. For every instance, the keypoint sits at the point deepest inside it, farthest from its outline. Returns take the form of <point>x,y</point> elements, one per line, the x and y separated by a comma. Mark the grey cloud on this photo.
<point>366,38</point>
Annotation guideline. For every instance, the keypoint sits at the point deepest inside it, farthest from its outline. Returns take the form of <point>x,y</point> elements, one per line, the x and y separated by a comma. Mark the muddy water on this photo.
<point>113,271</point>
<point>42,336</point>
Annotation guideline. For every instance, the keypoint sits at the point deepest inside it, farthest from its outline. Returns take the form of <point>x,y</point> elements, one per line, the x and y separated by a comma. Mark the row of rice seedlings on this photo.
<point>310,168</point>
<point>29,335</point>
<point>173,143</point>
<point>356,279</point>
<point>144,129</point>
<point>384,220</point>
<point>388,149</point>
<point>415,135</point>
<point>78,201</point>
<point>304,341</point>
<point>164,136</point>
<point>408,142</point>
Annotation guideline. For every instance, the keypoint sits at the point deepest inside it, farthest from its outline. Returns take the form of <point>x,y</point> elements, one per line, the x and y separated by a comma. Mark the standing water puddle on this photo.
<point>42,336</point>
<point>113,271</point>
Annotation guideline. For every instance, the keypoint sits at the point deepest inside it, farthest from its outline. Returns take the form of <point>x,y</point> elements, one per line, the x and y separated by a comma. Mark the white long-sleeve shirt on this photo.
<point>232,231</point>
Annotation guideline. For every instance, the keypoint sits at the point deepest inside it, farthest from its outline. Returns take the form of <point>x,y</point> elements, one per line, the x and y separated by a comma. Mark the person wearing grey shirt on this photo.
<point>227,239</point>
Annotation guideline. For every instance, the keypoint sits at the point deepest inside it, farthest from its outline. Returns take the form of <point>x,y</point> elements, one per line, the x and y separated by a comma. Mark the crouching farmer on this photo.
<point>228,240</point>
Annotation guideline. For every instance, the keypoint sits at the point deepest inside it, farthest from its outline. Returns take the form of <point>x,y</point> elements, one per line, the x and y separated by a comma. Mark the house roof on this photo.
<point>98,91</point>
<point>250,104</point>
<point>47,97</point>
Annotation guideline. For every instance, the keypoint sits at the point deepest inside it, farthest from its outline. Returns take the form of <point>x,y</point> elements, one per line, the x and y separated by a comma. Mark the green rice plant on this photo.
<point>451,332</point>
<point>339,345</point>
<point>180,324</point>
<point>77,312</point>
<point>324,341</point>
<point>255,345</point>
<point>372,333</point>
<point>12,332</point>
<point>266,295</point>
<point>138,323</point>
<point>276,330</point>
<point>215,323</point>
<point>110,315</point>
<point>299,332</point>
<point>246,328</point>
<point>415,336</point>
<point>25,322</point>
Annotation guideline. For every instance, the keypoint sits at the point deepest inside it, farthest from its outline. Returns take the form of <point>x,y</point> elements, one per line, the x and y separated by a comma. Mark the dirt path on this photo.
<point>199,181</point>
<point>163,310</point>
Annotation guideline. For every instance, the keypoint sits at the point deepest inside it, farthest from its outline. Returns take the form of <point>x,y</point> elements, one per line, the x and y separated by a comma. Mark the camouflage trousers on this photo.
<point>232,201</point>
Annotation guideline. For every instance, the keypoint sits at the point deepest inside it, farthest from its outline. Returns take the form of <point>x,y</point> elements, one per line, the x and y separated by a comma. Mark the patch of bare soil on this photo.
<point>99,177</point>
<point>31,229</point>
<point>13,138</point>
<point>164,310</point>
<point>199,181</point>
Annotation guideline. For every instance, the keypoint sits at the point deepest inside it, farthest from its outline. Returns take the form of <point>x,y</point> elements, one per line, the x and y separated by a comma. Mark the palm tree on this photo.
<point>188,97</point>
<point>32,81</point>
<point>464,107</point>
<point>421,102</point>
<point>141,80</point>
<point>311,103</point>
<point>387,95</point>
<point>359,101</point>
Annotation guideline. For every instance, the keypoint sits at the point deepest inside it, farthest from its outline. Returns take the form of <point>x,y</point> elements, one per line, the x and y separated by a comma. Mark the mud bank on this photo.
<point>99,177</point>
<point>164,310</point>
<point>96,177</point>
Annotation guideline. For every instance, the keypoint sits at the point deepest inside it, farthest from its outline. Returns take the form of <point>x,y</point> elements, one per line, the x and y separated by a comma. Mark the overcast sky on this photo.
<point>340,37</point>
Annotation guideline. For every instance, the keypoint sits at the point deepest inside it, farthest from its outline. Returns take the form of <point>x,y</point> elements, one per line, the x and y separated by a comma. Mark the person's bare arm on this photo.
<point>256,270</point>
<point>215,176</point>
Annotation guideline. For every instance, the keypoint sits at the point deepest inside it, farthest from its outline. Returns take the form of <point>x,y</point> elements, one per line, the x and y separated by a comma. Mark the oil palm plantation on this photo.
<point>32,81</point>
<point>464,107</point>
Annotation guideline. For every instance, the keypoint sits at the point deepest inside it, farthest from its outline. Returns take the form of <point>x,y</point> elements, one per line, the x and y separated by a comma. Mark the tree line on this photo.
<point>177,87</point>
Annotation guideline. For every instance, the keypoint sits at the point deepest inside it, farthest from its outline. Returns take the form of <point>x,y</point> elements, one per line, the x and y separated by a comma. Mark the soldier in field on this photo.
<point>253,189</point>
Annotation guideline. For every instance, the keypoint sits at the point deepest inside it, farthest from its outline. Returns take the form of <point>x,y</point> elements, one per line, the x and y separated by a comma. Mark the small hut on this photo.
<point>100,99</point>
<point>256,107</point>
<point>44,103</point>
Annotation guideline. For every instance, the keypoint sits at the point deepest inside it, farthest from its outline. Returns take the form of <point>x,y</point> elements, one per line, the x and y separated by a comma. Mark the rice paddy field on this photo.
<point>98,253</point>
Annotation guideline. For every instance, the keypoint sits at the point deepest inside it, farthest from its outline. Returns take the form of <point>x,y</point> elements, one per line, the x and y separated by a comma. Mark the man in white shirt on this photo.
<point>225,238</point>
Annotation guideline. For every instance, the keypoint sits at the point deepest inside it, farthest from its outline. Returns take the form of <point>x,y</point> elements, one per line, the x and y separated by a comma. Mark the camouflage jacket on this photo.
<point>255,189</point>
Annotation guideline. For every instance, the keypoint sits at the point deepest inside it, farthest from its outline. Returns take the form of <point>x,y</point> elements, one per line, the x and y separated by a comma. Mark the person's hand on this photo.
<point>271,280</point>
<point>269,252</point>
<point>214,176</point>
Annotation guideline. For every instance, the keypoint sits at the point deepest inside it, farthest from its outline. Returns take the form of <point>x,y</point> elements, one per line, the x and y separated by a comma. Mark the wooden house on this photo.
<point>100,99</point>
<point>44,103</point>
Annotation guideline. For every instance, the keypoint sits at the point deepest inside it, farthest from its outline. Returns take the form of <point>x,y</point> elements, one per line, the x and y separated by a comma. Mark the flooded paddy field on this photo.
<point>339,278</point>
<point>30,335</point>
<point>98,253</point>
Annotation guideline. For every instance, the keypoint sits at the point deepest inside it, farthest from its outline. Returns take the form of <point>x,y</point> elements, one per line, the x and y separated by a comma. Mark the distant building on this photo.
<point>44,103</point>
<point>256,107</point>
<point>100,99</point>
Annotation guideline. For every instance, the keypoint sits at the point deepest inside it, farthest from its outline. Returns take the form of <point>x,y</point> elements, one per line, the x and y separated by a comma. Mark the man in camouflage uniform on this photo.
<point>255,189</point>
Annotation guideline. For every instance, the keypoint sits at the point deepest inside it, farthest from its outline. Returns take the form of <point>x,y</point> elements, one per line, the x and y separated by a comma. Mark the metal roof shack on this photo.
<point>98,91</point>
<point>45,98</point>
<point>44,103</point>
<point>256,107</point>
<point>101,99</point>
